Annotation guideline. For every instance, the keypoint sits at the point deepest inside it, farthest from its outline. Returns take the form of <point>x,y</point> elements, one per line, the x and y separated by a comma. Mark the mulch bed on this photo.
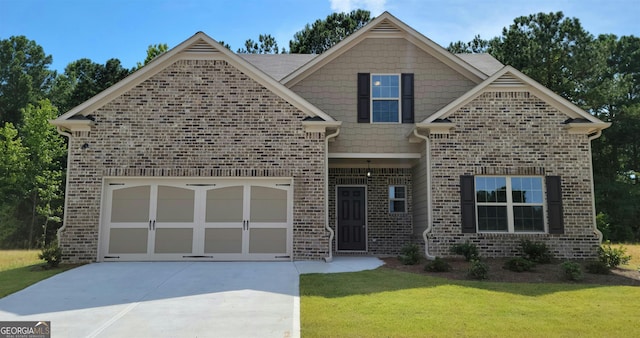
<point>543,273</point>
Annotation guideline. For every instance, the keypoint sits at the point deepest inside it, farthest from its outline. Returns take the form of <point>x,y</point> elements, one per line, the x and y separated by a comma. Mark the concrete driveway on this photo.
<point>173,299</point>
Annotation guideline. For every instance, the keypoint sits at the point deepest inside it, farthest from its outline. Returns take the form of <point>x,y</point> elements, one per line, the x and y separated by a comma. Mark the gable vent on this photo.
<point>507,79</point>
<point>386,27</point>
<point>201,47</point>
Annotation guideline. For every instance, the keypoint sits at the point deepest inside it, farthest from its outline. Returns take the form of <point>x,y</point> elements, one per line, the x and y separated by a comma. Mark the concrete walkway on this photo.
<point>173,299</point>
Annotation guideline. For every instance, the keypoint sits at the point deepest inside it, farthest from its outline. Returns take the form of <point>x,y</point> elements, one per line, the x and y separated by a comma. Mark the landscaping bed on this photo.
<point>542,273</point>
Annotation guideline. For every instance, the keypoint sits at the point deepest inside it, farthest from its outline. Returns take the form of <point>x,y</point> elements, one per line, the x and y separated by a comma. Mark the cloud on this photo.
<point>376,7</point>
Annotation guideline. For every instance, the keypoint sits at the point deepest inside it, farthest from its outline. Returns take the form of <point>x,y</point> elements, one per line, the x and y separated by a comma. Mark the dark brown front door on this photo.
<point>351,218</point>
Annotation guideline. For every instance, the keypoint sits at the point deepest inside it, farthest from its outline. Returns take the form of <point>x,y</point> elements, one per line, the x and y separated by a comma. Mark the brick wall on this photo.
<point>387,232</point>
<point>512,133</point>
<point>196,118</point>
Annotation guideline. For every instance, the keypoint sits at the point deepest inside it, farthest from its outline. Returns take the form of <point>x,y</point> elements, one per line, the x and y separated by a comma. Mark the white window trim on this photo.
<point>398,199</point>
<point>371,99</point>
<point>510,204</point>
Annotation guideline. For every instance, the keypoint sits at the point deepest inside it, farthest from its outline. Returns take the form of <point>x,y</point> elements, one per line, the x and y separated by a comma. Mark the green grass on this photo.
<point>21,268</point>
<point>389,303</point>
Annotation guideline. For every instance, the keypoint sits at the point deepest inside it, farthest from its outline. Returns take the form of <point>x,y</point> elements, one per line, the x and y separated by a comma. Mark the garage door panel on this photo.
<point>223,240</point>
<point>268,241</point>
<point>174,240</point>
<point>225,204</point>
<point>268,204</point>
<point>175,204</point>
<point>131,204</point>
<point>128,240</point>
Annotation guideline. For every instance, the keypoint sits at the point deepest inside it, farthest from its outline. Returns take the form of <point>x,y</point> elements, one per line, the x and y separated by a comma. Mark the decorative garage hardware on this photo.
<point>200,185</point>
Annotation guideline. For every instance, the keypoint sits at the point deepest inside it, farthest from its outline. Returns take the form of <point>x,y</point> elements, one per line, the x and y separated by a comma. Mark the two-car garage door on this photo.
<point>197,219</point>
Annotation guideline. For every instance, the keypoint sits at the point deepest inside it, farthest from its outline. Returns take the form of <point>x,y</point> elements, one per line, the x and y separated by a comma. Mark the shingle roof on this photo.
<point>484,62</point>
<point>277,65</point>
<point>280,65</point>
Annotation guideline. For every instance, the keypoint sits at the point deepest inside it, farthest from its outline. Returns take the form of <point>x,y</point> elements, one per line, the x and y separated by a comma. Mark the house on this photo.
<point>383,140</point>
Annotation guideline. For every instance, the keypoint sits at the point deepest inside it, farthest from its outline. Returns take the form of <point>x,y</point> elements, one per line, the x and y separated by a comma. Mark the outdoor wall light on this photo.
<point>85,146</point>
<point>368,168</point>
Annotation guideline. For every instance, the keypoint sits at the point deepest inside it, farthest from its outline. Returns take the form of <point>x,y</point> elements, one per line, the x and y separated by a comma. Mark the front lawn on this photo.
<point>21,268</point>
<point>390,303</point>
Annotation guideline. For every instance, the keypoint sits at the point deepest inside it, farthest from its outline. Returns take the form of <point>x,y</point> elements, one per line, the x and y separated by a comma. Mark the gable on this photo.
<point>198,47</point>
<point>508,79</point>
<point>386,26</point>
<point>332,88</point>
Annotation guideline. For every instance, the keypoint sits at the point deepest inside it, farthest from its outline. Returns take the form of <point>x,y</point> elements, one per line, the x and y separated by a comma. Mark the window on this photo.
<point>385,98</point>
<point>397,198</point>
<point>509,204</point>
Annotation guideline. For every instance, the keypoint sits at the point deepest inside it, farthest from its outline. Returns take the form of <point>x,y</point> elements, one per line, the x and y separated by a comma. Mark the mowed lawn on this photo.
<point>390,303</point>
<point>21,268</point>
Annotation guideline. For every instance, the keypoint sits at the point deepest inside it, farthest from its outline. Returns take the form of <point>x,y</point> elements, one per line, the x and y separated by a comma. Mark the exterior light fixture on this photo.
<point>368,168</point>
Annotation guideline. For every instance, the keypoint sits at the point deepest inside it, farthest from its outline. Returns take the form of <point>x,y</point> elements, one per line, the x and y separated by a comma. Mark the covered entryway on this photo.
<point>352,234</point>
<point>213,219</point>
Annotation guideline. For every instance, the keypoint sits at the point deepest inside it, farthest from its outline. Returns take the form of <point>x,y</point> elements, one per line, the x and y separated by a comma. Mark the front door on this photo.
<point>351,219</point>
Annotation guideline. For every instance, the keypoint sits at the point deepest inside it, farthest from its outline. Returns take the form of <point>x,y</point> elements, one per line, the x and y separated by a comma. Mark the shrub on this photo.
<point>613,257</point>
<point>536,252</point>
<point>572,271</point>
<point>478,270</point>
<point>597,267</point>
<point>468,250</point>
<point>51,254</point>
<point>519,264</point>
<point>409,254</point>
<point>437,265</point>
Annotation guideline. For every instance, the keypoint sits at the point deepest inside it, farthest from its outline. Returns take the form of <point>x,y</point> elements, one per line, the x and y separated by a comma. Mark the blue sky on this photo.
<point>103,29</point>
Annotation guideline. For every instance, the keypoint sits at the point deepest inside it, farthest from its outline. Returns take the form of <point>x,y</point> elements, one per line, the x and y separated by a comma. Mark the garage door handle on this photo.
<point>149,224</point>
<point>154,224</point>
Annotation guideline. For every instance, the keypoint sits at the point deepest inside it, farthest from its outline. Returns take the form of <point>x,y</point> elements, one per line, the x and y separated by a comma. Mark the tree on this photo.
<point>324,34</point>
<point>475,46</point>
<point>13,161</point>
<point>553,50</point>
<point>44,168</point>
<point>266,45</point>
<point>153,51</point>
<point>24,76</point>
<point>83,79</point>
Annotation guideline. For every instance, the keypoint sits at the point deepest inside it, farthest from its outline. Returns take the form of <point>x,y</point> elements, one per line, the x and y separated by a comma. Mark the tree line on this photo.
<point>599,74</point>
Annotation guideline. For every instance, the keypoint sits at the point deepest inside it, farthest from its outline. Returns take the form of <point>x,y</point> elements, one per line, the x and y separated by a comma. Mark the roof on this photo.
<point>199,46</point>
<point>277,65</point>
<point>484,62</point>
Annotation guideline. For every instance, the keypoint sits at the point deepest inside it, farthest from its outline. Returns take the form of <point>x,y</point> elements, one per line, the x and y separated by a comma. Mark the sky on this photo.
<point>102,29</point>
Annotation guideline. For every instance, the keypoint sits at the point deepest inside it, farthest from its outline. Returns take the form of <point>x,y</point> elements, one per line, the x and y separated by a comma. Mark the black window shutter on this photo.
<point>468,204</point>
<point>554,204</point>
<point>364,101</point>
<point>407,98</point>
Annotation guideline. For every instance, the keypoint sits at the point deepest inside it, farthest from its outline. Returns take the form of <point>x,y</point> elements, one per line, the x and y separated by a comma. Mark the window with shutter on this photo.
<point>385,98</point>
<point>510,204</point>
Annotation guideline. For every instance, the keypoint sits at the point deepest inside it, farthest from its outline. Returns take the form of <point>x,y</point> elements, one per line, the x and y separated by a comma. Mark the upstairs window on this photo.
<point>385,98</point>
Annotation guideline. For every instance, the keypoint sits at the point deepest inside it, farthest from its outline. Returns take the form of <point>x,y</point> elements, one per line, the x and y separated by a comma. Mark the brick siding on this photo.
<point>512,133</point>
<point>196,118</point>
